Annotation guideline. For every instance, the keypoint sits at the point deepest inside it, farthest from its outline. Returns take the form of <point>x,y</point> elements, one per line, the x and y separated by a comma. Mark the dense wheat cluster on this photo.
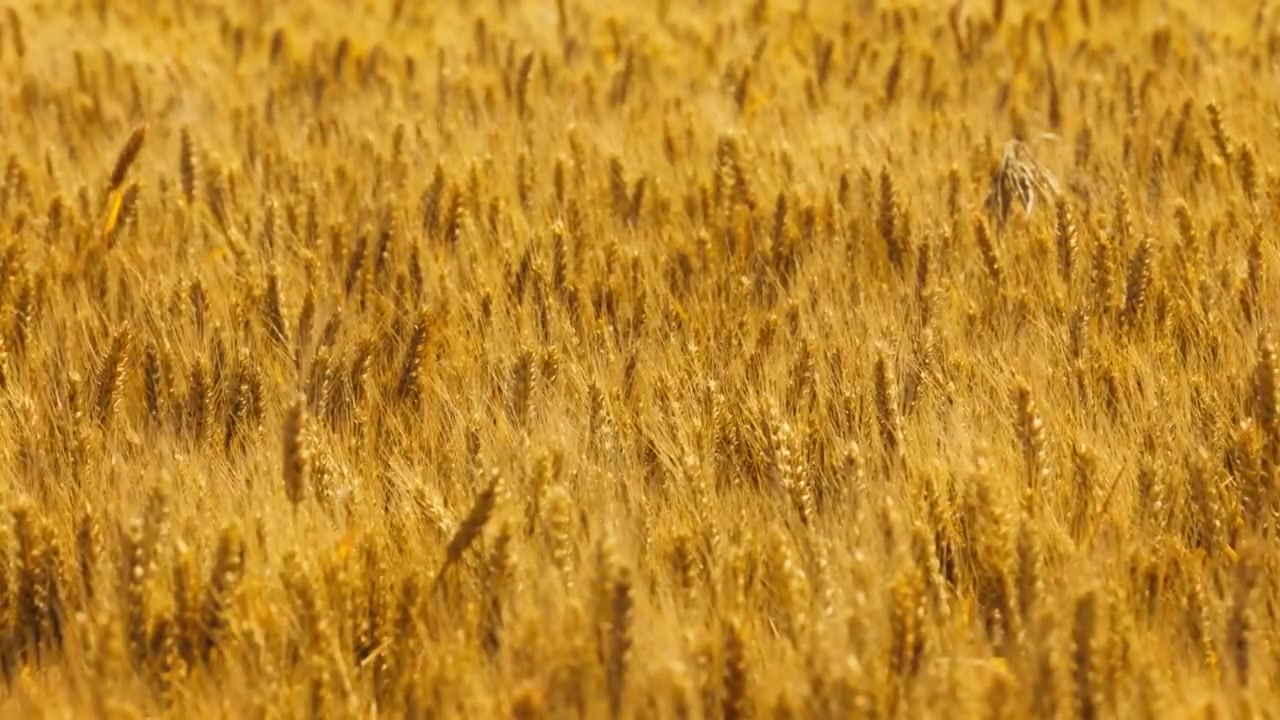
<point>557,358</point>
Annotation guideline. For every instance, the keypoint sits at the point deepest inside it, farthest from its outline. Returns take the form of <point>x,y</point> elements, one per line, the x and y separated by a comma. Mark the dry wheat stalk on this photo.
<point>1019,179</point>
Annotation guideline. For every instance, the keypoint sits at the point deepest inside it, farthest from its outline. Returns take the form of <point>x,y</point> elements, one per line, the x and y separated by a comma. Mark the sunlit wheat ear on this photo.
<point>1022,180</point>
<point>1266,395</point>
<point>188,170</point>
<point>1084,655</point>
<point>1065,238</point>
<point>735,700</point>
<point>1030,428</point>
<point>1221,139</point>
<point>124,161</point>
<point>1138,281</point>
<point>888,413</point>
<point>111,377</point>
<point>117,201</point>
<point>88,543</point>
<point>990,256</point>
<point>296,453</point>
<point>617,610</point>
<point>472,526</point>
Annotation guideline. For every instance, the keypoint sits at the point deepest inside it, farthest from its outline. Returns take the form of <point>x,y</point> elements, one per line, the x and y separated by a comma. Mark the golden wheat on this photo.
<point>723,360</point>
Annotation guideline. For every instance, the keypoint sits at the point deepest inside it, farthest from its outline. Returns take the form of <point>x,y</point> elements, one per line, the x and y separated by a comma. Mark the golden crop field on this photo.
<point>572,359</point>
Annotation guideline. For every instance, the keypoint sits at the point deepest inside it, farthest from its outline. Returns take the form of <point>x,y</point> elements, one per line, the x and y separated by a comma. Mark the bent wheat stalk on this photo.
<point>1019,178</point>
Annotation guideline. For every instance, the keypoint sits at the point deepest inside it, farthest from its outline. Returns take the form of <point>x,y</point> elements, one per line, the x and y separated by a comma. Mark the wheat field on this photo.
<point>562,359</point>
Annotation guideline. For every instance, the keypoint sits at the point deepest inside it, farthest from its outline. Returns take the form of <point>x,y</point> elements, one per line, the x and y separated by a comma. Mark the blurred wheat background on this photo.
<point>722,359</point>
